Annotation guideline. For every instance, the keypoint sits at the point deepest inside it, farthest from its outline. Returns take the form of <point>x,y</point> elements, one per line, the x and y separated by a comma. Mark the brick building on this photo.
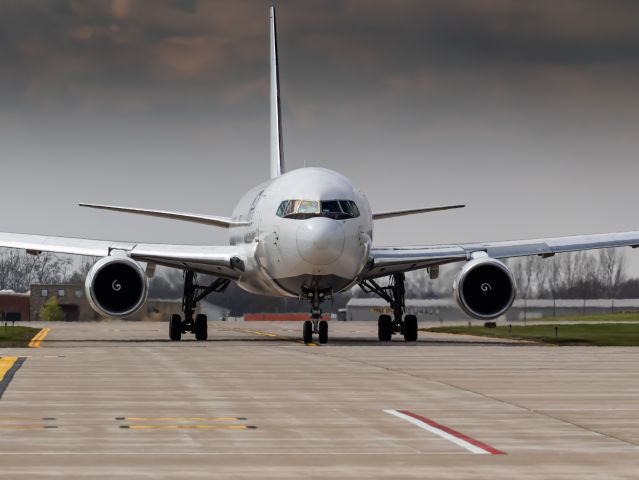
<point>14,307</point>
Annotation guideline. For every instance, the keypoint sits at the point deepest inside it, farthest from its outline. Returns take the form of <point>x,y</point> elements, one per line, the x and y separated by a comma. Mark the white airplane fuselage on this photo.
<point>291,256</point>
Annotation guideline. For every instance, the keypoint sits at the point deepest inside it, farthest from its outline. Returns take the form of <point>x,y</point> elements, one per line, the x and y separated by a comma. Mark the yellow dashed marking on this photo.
<point>268,334</point>
<point>37,339</point>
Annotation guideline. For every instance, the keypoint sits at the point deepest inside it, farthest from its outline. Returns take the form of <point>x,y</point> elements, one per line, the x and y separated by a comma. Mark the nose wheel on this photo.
<point>315,326</point>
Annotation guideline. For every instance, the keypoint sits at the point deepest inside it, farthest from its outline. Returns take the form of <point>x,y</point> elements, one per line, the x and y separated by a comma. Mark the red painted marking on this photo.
<point>454,433</point>
<point>271,317</point>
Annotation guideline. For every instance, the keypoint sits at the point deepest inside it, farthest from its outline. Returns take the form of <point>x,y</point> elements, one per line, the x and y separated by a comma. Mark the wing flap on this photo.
<point>224,261</point>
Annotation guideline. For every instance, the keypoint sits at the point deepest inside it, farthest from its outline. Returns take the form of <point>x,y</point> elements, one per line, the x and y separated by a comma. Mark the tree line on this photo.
<point>596,274</point>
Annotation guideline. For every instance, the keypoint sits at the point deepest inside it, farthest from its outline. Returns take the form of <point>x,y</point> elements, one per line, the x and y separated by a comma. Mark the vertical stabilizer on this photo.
<point>277,155</point>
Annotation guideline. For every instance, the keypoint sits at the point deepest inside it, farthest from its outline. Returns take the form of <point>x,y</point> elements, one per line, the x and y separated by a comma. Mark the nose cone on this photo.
<point>320,240</point>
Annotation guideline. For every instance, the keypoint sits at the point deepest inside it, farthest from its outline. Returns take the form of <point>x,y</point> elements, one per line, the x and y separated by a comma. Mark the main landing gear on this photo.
<point>393,293</point>
<point>193,293</point>
<point>315,324</point>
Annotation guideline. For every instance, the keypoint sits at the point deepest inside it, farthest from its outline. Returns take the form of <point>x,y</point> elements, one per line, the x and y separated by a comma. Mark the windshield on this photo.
<point>301,209</point>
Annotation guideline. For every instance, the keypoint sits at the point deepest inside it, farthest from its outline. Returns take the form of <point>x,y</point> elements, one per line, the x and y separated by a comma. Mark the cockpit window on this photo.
<point>301,209</point>
<point>349,208</point>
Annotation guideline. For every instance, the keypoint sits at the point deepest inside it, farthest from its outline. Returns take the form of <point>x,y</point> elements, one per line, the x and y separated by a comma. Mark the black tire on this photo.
<point>385,328</point>
<point>323,332</point>
<point>410,328</point>
<point>201,327</point>
<point>175,328</point>
<point>307,332</point>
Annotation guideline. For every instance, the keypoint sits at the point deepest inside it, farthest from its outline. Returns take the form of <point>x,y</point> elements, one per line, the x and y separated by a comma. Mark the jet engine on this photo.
<point>484,288</point>
<point>116,287</point>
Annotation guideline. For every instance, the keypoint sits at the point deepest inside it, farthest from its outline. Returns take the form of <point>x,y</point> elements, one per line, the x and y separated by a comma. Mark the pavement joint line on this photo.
<point>38,337</point>
<point>26,427</point>
<point>8,368</point>
<point>186,419</point>
<point>188,427</point>
<point>334,355</point>
<point>542,413</point>
<point>5,419</point>
<point>222,454</point>
<point>464,441</point>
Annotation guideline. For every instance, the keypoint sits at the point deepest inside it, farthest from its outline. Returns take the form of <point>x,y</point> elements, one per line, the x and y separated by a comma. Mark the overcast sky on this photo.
<point>527,111</point>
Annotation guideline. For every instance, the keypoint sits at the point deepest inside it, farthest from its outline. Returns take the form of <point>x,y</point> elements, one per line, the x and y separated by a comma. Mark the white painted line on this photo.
<point>446,433</point>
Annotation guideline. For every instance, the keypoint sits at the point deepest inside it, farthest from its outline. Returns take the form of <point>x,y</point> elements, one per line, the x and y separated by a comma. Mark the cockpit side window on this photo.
<point>301,209</point>
<point>349,207</point>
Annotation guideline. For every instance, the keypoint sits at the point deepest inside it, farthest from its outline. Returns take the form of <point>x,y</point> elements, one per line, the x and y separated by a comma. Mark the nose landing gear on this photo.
<point>394,294</point>
<point>315,324</point>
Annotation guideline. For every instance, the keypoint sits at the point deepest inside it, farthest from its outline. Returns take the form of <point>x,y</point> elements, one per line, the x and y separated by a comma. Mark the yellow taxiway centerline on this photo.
<point>37,339</point>
<point>268,334</point>
<point>5,365</point>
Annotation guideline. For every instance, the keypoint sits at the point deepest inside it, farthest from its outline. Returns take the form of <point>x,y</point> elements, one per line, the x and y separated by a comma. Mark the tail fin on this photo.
<point>277,155</point>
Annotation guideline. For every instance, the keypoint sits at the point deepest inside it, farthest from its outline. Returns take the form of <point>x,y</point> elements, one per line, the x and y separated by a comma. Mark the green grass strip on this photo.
<point>16,336</point>
<point>599,334</point>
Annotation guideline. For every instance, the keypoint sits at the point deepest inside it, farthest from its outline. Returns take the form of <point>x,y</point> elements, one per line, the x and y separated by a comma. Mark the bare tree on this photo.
<point>18,270</point>
<point>612,269</point>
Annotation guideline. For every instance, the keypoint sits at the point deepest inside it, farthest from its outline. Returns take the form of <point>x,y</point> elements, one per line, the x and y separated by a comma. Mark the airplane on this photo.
<point>304,233</point>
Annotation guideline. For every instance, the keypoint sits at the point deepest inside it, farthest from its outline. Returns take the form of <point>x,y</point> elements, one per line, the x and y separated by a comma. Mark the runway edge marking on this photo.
<point>464,441</point>
<point>8,367</point>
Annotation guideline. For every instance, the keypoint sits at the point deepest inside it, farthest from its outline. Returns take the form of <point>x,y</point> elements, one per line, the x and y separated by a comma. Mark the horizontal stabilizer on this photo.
<point>215,221</point>
<point>413,211</point>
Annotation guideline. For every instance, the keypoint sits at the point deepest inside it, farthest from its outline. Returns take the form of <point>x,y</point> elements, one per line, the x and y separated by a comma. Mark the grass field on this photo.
<point>16,336</point>
<point>600,334</point>
<point>599,317</point>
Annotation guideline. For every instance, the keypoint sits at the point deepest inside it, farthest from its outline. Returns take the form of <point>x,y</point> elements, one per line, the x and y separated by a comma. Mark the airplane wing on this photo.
<point>213,220</point>
<point>388,260</point>
<point>222,261</point>
<point>413,211</point>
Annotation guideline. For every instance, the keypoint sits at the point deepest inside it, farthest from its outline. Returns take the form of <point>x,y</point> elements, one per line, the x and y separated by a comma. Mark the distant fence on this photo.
<point>273,317</point>
<point>522,309</point>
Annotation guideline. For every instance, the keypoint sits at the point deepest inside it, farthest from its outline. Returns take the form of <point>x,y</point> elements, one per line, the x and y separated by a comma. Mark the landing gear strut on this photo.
<point>315,324</point>
<point>394,294</point>
<point>193,293</point>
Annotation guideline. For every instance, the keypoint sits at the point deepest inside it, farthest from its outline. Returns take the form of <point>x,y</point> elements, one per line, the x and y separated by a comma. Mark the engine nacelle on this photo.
<point>484,288</point>
<point>116,287</point>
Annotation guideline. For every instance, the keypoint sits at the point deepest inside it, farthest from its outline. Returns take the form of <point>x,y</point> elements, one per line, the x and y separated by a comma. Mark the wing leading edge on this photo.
<point>223,261</point>
<point>388,260</point>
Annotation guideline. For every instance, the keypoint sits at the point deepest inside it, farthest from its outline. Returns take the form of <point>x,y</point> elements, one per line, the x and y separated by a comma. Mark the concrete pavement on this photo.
<point>253,402</point>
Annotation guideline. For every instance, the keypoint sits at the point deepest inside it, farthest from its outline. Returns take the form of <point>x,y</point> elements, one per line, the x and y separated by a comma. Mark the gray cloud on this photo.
<point>161,55</point>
